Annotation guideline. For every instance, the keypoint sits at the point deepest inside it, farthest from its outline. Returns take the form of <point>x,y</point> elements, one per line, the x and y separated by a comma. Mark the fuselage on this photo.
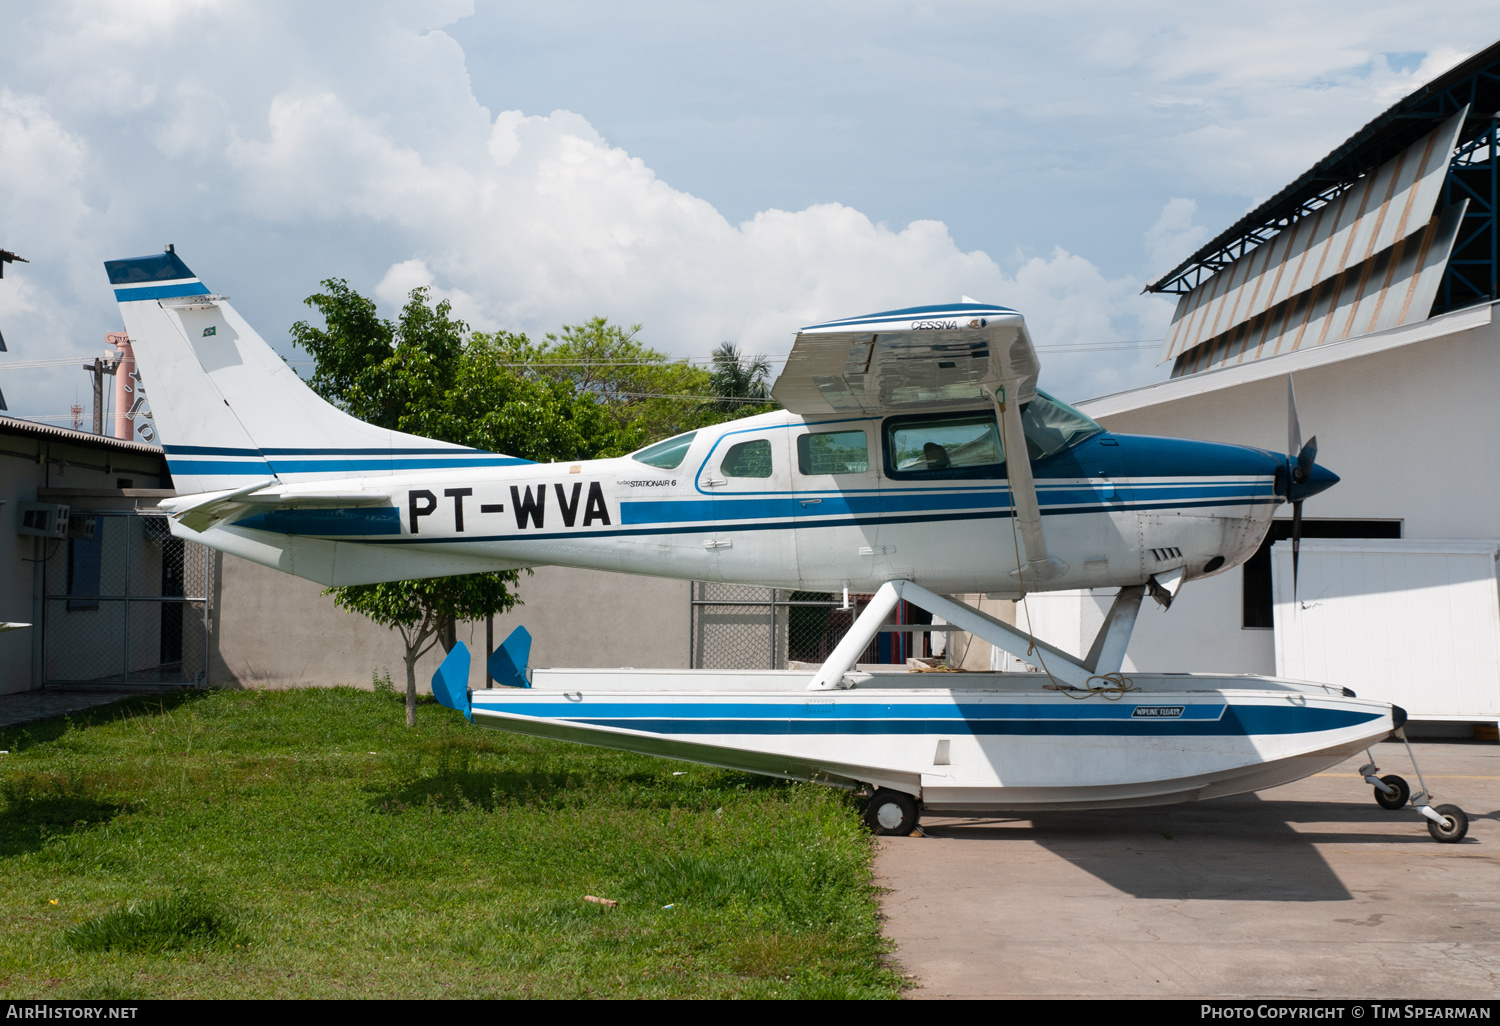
<point>787,501</point>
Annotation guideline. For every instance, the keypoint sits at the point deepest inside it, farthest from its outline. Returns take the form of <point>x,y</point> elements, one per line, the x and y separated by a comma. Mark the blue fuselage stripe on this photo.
<point>717,528</point>
<point>328,523</point>
<point>718,510</point>
<point>258,466</point>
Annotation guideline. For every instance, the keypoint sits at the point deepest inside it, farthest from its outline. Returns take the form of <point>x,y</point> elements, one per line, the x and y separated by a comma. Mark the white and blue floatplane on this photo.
<point>892,471</point>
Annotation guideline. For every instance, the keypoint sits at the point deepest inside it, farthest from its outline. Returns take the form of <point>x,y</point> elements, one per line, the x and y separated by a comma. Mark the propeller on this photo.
<point>1301,471</point>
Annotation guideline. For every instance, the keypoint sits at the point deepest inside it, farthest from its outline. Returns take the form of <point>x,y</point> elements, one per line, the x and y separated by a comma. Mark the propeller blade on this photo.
<point>1305,460</point>
<point>1296,544</point>
<point>1293,428</point>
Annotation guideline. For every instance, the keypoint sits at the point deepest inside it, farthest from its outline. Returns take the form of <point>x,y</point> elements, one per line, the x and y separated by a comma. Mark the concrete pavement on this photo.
<point>23,707</point>
<point>1307,891</point>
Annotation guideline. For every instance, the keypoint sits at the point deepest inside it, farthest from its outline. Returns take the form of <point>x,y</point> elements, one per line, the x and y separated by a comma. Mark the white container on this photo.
<point>1414,623</point>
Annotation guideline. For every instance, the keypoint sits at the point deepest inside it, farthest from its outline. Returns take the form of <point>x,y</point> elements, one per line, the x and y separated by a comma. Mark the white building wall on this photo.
<point>272,630</point>
<point>1413,432</point>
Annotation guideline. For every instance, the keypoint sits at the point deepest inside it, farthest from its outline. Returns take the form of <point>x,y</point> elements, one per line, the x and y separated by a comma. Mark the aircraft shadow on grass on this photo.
<point>37,732</point>
<point>29,820</point>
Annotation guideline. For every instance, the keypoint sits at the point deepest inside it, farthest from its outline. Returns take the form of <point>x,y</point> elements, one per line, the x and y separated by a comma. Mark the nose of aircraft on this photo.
<point>1319,479</point>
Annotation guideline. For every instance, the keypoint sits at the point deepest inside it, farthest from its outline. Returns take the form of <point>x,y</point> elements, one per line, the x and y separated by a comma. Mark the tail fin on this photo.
<point>230,411</point>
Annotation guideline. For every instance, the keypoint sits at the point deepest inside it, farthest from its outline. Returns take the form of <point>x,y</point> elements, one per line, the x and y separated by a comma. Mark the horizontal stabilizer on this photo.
<point>201,512</point>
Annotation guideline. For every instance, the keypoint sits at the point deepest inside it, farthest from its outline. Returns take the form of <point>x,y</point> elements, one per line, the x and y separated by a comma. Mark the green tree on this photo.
<point>645,395</point>
<point>427,375</point>
<point>742,383</point>
<point>424,612</point>
<point>589,391</point>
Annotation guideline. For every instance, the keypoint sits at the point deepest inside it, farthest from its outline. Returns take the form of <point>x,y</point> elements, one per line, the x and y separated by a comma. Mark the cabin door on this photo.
<point>749,479</point>
<point>836,504</point>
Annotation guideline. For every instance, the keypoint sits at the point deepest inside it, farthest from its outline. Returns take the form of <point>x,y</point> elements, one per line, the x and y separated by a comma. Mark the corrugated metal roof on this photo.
<point>33,429</point>
<point>1383,209</point>
<point>1382,292</point>
<point>1393,130</point>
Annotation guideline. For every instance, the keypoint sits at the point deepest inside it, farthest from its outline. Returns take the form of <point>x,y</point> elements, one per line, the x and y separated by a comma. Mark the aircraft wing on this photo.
<point>209,509</point>
<point>922,357</point>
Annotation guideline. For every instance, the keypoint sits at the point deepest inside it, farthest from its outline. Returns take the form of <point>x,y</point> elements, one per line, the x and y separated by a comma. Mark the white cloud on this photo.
<point>548,223</point>
<point>1174,236</point>
<point>280,144</point>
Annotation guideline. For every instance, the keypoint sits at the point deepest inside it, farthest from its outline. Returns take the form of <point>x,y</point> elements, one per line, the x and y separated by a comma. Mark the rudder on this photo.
<point>229,410</point>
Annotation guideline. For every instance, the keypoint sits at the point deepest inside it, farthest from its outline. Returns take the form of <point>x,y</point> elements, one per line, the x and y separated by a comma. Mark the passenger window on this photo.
<point>833,452</point>
<point>952,445</point>
<point>748,459</point>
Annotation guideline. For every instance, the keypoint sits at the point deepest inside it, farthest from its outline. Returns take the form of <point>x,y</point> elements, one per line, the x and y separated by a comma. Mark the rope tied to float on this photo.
<point>1115,687</point>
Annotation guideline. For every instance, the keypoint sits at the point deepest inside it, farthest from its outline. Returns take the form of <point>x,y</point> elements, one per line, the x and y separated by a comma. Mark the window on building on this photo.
<point>748,459</point>
<point>833,452</point>
<point>85,558</point>
<point>1259,599</point>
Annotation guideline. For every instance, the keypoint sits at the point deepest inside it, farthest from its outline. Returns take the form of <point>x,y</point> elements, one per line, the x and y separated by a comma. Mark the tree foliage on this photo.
<point>423,374</point>
<point>591,390</point>
<point>737,377</point>
<point>423,610</point>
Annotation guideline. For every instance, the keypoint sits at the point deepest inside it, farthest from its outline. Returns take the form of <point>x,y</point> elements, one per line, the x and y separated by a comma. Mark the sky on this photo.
<point>711,172</point>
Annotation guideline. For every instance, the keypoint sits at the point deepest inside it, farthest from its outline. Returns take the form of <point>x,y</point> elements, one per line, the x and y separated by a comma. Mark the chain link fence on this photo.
<point>124,603</point>
<point>736,627</point>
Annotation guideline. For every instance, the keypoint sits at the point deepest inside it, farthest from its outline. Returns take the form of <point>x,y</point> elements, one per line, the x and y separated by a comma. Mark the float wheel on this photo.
<point>1454,826</point>
<point>1393,801</point>
<point>891,813</point>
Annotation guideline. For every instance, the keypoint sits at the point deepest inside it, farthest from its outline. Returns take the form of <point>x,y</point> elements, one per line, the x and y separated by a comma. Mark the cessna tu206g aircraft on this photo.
<point>892,469</point>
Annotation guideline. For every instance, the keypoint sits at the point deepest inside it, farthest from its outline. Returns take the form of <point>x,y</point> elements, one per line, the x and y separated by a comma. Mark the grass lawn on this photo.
<point>307,844</point>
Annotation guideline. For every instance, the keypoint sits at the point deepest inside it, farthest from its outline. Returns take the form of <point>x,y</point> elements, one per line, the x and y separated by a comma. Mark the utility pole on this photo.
<point>97,369</point>
<point>7,257</point>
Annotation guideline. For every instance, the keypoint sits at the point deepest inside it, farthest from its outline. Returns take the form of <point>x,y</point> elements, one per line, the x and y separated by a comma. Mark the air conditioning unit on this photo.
<point>45,520</point>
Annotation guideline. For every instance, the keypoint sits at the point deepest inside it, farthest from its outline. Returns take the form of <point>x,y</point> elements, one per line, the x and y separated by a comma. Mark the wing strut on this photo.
<point>1106,656</point>
<point>1038,565</point>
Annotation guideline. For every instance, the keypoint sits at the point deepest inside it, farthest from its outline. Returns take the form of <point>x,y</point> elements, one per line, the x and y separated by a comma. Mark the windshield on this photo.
<point>666,455</point>
<point>1052,426</point>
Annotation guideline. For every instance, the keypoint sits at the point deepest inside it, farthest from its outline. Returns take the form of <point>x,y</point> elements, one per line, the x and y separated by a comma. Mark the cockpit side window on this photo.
<point>960,445</point>
<point>944,445</point>
<point>666,455</point>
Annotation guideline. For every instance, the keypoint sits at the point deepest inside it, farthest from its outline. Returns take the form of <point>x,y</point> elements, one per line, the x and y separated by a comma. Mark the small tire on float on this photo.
<point>1393,801</point>
<point>891,813</point>
<point>1455,827</point>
